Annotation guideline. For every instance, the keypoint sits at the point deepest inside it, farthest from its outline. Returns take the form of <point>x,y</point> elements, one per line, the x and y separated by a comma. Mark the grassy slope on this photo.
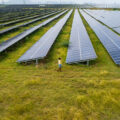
<point>77,93</point>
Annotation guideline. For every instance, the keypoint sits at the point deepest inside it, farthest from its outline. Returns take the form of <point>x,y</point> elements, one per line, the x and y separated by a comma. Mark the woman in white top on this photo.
<point>59,64</point>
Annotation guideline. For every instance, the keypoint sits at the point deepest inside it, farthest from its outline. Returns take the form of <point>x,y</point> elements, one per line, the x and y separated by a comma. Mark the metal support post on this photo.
<point>87,63</point>
<point>36,62</point>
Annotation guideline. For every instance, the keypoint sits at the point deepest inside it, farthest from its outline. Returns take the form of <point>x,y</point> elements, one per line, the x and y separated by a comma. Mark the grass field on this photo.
<point>79,92</point>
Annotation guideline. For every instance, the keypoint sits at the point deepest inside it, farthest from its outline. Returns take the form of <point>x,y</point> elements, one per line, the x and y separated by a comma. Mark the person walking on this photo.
<point>59,64</point>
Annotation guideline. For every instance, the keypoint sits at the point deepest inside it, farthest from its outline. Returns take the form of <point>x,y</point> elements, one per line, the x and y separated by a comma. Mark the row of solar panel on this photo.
<point>80,48</point>
<point>109,39</point>
<point>12,41</point>
<point>28,23</point>
<point>110,18</point>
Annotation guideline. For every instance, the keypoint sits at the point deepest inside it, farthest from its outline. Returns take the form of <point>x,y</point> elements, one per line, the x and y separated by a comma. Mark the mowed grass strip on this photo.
<point>77,93</point>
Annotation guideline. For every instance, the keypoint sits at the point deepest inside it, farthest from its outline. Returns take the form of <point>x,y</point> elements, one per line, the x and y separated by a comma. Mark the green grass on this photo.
<point>78,92</point>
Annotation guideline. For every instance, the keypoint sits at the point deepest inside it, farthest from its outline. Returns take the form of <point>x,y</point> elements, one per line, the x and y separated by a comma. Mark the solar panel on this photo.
<point>41,48</point>
<point>80,48</point>
<point>30,22</point>
<point>110,18</point>
<point>10,42</point>
<point>108,38</point>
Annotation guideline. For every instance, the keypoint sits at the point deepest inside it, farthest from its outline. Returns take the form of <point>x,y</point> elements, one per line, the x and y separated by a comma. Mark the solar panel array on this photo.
<point>30,22</point>
<point>41,48</point>
<point>80,48</point>
<point>110,18</point>
<point>21,20</point>
<point>108,38</point>
<point>23,15</point>
<point>10,42</point>
<point>14,14</point>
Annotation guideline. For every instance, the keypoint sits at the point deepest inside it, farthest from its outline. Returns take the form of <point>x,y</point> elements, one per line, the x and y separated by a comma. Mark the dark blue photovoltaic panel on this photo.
<point>30,22</point>
<point>110,18</point>
<point>10,42</point>
<point>41,48</point>
<point>80,48</point>
<point>108,38</point>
